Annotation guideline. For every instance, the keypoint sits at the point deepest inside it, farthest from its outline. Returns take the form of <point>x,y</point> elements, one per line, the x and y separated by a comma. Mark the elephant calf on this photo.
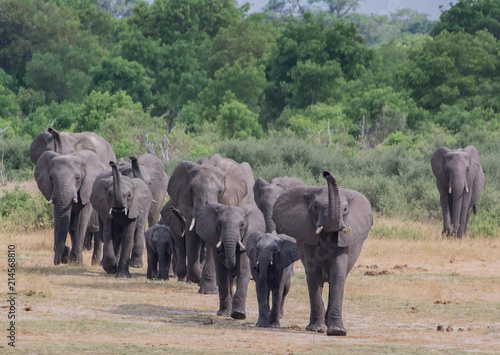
<point>160,246</point>
<point>271,263</point>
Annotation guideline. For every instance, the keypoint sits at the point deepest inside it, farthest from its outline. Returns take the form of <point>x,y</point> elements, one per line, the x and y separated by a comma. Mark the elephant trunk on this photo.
<point>458,188</point>
<point>136,171</point>
<point>228,255</point>
<point>57,140</point>
<point>268,217</point>
<point>62,217</point>
<point>117,200</point>
<point>334,216</point>
<point>265,258</point>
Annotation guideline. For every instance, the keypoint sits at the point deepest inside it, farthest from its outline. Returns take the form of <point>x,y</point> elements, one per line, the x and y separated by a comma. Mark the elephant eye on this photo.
<point>242,225</point>
<point>78,177</point>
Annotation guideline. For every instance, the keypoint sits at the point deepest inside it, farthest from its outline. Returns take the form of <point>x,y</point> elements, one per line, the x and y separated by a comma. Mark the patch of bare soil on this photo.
<point>29,186</point>
<point>401,297</point>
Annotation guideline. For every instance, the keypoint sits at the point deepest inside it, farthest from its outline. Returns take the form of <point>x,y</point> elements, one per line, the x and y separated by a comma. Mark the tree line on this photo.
<point>139,73</point>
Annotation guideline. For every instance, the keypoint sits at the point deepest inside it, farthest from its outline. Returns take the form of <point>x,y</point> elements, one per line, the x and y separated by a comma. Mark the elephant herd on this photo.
<point>221,227</point>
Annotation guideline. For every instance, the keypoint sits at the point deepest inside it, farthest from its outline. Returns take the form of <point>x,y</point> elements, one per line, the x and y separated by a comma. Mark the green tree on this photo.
<point>235,120</point>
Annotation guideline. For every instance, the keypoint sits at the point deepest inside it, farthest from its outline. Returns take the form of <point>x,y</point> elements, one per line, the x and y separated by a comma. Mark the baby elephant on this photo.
<point>271,263</point>
<point>160,246</point>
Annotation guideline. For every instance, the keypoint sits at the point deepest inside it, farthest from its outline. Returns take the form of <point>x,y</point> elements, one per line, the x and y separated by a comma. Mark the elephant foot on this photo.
<point>223,313</point>
<point>318,328</point>
<point>262,324</point>
<point>65,255</point>
<point>208,289</point>
<point>336,331</point>
<point>75,259</point>
<point>136,263</point>
<point>274,325</point>
<point>124,274</point>
<point>238,314</point>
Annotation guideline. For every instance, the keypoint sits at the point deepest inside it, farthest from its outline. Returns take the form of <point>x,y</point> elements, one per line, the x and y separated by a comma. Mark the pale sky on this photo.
<point>380,7</point>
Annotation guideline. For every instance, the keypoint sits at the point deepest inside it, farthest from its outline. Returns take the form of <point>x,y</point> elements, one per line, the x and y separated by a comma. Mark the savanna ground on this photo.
<point>406,283</point>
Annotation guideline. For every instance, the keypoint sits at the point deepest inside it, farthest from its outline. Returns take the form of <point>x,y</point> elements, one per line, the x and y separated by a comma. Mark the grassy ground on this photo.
<point>407,282</point>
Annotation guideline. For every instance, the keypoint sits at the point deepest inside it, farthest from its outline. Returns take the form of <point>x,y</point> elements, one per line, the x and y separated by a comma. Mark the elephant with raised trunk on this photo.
<point>67,143</point>
<point>330,225</point>
<point>66,182</point>
<point>271,264</point>
<point>123,204</point>
<point>225,230</point>
<point>460,181</point>
<point>266,194</point>
<point>194,185</point>
<point>150,169</point>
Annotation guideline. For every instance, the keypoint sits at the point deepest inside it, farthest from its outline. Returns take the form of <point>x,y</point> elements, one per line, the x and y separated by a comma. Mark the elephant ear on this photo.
<point>142,199</point>
<point>475,165</point>
<point>291,214</point>
<point>289,252</point>
<point>178,186</point>
<point>251,247</point>
<point>99,195</point>
<point>83,141</point>
<point>257,190</point>
<point>39,145</point>
<point>206,223</point>
<point>236,188</point>
<point>93,168</point>
<point>155,169</point>
<point>172,220</point>
<point>437,164</point>
<point>42,173</point>
<point>256,222</point>
<point>359,218</point>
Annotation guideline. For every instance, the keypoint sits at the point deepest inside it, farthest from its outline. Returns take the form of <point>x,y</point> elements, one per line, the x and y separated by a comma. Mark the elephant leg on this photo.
<point>127,244</point>
<point>262,290</point>
<point>97,253</point>
<point>224,282</point>
<point>164,265</point>
<point>208,283</point>
<point>61,228</point>
<point>315,288</point>
<point>180,258</point>
<point>193,248</point>
<point>138,246</point>
<point>242,281</point>
<point>152,264</point>
<point>80,223</point>
<point>446,201</point>
<point>285,284</point>
<point>338,274</point>
<point>108,249</point>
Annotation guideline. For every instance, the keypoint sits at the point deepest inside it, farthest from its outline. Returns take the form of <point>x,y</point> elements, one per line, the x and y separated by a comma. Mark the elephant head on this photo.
<point>460,180</point>
<point>66,180</point>
<point>308,213</point>
<point>67,143</point>
<point>114,193</point>
<point>226,228</point>
<point>266,194</point>
<point>269,250</point>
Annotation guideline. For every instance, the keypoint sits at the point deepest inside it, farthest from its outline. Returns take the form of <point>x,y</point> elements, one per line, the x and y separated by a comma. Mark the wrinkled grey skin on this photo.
<point>177,225</point>
<point>150,169</point>
<point>191,187</point>
<point>266,194</point>
<point>66,181</point>
<point>225,230</point>
<point>330,225</point>
<point>460,181</point>
<point>122,204</point>
<point>93,239</point>
<point>271,264</point>
<point>160,246</point>
<point>71,143</point>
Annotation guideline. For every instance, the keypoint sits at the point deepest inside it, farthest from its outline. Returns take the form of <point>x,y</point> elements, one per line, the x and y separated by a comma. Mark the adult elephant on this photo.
<point>460,181</point>
<point>122,204</point>
<point>330,225</point>
<point>67,143</point>
<point>171,217</point>
<point>194,185</point>
<point>266,194</point>
<point>66,182</point>
<point>150,169</point>
<point>225,230</point>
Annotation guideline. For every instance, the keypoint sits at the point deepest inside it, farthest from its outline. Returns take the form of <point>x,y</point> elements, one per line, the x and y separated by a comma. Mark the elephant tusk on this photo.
<point>449,191</point>
<point>242,247</point>
<point>218,244</point>
<point>271,263</point>
<point>192,224</point>
<point>75,200</point>
<point>183,233</point>
<point>126,211</point>
<point>319,229</point>
<point>154,201</point>
<point>466,188</point>
<point>346,230</point>
<point>110,210</point>
<point>50,202</point>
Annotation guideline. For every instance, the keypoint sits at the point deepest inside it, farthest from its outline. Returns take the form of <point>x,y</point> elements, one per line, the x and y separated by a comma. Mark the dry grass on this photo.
<point>396,296</point>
